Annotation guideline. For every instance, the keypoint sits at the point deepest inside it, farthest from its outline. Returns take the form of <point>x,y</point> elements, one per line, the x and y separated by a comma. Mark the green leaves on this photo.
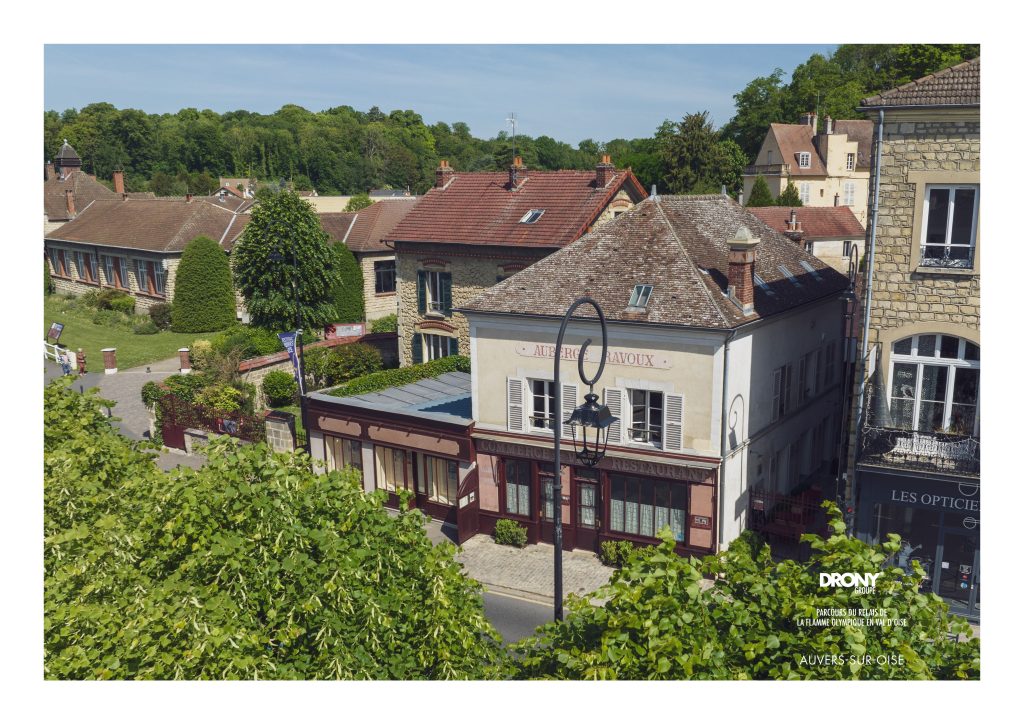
<point>252,567</point>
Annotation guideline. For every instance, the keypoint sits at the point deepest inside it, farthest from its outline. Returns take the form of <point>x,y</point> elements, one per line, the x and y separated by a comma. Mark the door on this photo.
<point>468,510</point>
<point>546,479</point>
<point>588,510</point>
<point>958,571</point>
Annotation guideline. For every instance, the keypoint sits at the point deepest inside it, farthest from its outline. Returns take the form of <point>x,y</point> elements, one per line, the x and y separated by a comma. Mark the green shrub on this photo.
<point>200,353</point>
<point>377,381</point>
<point>47,279</point>
<point>332,366</point>
<point>185,387</point>
<point>152,392</point>
<point>105,297</point>
<point>509,533</point>
<point>250,341</point>
<point>124,304</point>
<point>384,324</point>
<point>347,292</point>
<point>204,299</point>
<point>112,318</point>
<point>280,388</point>
<point>616,552</point>
<point>90,299</point>
<point>219,397</point>
<point>161,315</point>
<point>357,202</point>
<point>146,326</point>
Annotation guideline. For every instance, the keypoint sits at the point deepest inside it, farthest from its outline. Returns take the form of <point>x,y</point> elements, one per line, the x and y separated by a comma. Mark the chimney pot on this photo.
<point>605,171</point>
<point>443,174</point>
<point>742,253</point>
<point>828,125</point>
<point>118,182</point>
<point>188,198</point>
<point>516,173</point>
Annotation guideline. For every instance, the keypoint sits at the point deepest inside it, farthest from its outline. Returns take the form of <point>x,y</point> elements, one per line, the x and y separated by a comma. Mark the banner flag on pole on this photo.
<point>288,340</point>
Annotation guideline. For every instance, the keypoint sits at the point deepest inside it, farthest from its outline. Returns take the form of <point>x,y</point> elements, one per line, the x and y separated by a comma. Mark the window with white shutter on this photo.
<point>569,402</point>
<point>613,399</point>
<point>516,414</point>
<point>673,422</point>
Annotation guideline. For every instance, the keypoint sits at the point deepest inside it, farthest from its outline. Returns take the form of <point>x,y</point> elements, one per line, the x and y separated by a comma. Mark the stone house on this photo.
<point>135,244</point>
<point>917,456</point>
<point>363,232</point>
<point>828,232</point>
<point>68,190</point>
<point>828,168</point>
<point>472,230</point>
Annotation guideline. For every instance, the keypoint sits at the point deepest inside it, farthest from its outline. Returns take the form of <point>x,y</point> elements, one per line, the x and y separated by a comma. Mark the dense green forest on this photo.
<point>346,151</point>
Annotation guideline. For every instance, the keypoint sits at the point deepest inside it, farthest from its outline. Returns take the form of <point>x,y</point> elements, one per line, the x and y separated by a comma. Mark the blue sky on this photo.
<point>569,92</point>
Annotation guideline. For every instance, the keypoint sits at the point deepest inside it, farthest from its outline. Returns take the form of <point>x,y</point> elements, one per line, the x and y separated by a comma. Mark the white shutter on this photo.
<point>516,415</point>
<point>613,399</point>
<point>569,403</point>
<point>673,422</point>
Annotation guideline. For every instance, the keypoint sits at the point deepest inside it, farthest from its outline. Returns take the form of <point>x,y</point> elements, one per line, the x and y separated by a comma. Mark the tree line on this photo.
<point>342,150</point>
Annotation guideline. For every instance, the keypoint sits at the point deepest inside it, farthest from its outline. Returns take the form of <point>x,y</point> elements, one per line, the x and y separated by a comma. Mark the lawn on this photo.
<point>133,350</point>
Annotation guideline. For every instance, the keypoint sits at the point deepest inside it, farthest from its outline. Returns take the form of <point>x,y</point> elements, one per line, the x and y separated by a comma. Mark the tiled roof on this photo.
<point>794,138</point>
<point>818,222</point>
<point>959,85</point>
<point>479,208</point>
<point>372,225</point>
<point>162,225</point>
<point>86,189</point>
<point>861,132</point>
<point>67,153</point>
<point>678,244</point>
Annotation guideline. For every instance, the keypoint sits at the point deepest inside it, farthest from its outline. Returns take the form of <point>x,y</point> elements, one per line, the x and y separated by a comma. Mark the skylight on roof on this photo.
<point>812,270</point>
<point>641,295</point>
<point>789,275</point>
<point>764,285</point>
<point>531,216</point>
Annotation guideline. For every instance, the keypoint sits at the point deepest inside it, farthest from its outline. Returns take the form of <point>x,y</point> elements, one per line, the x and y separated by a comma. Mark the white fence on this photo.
<point>60,355</point>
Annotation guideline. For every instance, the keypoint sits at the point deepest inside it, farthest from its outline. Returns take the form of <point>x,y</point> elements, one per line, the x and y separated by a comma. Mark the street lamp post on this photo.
<point>588,416</point>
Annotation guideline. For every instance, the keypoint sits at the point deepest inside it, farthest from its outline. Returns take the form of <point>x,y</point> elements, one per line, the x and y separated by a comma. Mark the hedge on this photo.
<point>204,299</point>
<point>328,366</point>
<point>348,291</point>
<point>402,376</point>
<point>384,324</point>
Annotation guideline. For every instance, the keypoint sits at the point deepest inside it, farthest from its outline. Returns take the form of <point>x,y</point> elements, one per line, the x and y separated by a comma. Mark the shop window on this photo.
<point>934,386</point>
<point>384,276</point>
<point>517,487</point>
<point>441,480</point>
<point>646,417</point>
<point>546,474</point>
<point>586,501</point>
<point>392,469</point>
<point>642,507</point>
<point>342,453</point>
<point>950,226</point>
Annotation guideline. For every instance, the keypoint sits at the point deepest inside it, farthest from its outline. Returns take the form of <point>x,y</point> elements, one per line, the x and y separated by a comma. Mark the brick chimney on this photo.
<point>443,174</point>
<point>118,182</point>
<point>516,173</point>
<point>742,252</point>
<point>69,201</point>
<point>50,171</point>
<point>605,171</point>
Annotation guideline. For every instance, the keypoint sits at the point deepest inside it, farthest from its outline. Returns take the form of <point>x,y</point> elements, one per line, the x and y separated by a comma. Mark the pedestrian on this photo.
<point>64,357</point>
<point>81,362</point>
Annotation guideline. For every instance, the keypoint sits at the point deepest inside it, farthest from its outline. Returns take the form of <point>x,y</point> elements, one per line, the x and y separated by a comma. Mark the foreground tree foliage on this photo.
<point>283,224</point>
<point>660,622</point>
<point>252,567</point>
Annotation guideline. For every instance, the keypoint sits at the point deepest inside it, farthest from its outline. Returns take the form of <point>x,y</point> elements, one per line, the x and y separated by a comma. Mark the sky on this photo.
<point>569,92</point>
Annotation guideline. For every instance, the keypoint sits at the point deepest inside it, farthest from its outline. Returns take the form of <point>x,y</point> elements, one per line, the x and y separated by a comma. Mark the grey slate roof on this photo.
<point>678,244</point>
<point>959,85</point>
<point>446,398</point>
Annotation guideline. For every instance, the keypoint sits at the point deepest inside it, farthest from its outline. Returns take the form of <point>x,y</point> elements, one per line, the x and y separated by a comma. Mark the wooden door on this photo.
<point>587,515</point>
<point>468,506</point>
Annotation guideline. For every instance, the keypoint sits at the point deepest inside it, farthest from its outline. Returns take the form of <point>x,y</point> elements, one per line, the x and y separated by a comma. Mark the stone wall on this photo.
<point>74,285</point>
<point>377,305</point>
<point>473,270</point>
<point>913,154</point>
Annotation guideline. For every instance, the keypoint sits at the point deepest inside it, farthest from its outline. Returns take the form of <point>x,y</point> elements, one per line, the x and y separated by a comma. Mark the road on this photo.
<point>515,617</point>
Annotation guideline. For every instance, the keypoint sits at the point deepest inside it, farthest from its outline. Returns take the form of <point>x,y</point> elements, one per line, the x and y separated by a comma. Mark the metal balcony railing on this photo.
<point>769,169</point>
<point>947,257</point>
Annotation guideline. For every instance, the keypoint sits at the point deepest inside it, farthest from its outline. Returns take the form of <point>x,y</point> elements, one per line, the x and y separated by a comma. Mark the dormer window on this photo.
<point>531,216</point>
<point>804,159</point>
<point>641,295</point>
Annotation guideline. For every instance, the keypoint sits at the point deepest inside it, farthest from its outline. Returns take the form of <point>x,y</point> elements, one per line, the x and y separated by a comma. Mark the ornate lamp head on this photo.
<point>589,424</point>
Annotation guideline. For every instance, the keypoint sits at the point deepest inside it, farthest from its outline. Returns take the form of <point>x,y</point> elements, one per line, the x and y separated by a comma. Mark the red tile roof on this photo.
<point>161,225</point>
<point>826,222</point>
<point>479,208</point>
<point>959,85</point>
<point>794,138</point>
<point>372,224</point>
<point>680,246</point>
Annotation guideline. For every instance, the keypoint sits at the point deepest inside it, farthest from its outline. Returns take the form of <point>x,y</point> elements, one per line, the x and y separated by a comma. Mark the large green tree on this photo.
<point>760,194</point>
<point>790,196</point>
<point>694,157</point>
<point>284,225</point>
<point>742,615</point>
<point>204,298</point>
<point>252,567</point>
<point>347,293</point>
